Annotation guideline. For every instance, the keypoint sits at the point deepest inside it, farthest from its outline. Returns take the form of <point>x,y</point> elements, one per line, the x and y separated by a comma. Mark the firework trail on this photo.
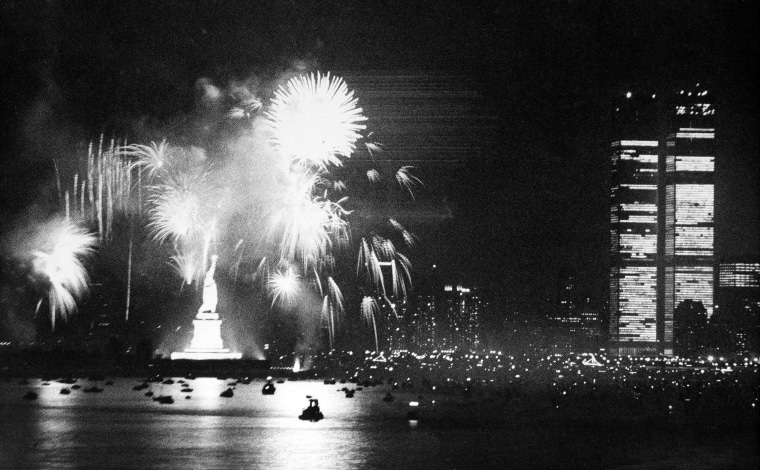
<point>370,309</point>
<point>59,262</point>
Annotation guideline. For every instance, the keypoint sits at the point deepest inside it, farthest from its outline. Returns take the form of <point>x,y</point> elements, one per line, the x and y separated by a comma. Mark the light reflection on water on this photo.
<point>121,428</point>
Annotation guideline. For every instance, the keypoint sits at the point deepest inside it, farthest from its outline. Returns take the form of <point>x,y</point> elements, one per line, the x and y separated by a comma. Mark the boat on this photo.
<point>65,391</point>
<point>350,393</point>
<point>164,399</point>
<point>141,386</point>
<point>312,413</point>
<point>227,393</point>
<point>414,412</point>
<point>268,389</point>
<point>186,390</point>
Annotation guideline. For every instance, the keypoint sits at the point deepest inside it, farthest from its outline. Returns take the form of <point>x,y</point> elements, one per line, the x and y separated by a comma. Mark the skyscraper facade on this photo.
<point>633,245</point>
<point>688,222</point>
<point>661,216</point>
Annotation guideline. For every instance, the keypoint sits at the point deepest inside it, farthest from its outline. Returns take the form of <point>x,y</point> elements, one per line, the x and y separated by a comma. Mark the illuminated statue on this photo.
<point>209,289</point>
<point>207,334</point>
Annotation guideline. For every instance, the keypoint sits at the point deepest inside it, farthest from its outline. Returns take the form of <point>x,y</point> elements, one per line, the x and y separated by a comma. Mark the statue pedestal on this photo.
<point>207,340</point>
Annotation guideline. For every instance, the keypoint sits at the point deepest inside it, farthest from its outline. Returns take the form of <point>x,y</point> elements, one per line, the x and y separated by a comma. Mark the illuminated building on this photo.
<point>633,245</point>
<point>737,303</point>
<point>739,275</point>
<point>462,309</point>
<point>661,216</point>
<point>687,225</point>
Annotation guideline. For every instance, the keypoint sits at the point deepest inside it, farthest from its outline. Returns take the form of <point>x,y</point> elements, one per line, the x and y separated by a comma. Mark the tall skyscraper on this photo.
<point>633,245</point>
<point>662,216</point>
<point>633,225</point>
<point>688,216</point>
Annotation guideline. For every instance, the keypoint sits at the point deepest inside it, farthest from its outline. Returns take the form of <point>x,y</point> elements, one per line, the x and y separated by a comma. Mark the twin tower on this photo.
<point>662,215</point>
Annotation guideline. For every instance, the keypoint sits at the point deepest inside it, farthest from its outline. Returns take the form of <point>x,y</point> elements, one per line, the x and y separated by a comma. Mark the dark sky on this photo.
<point>549,69</point>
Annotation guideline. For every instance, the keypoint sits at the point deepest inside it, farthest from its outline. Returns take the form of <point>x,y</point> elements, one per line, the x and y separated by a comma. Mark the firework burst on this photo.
<point>314,120</point>
<point>61,266</point>
<point>151,158</point>
<point>284,286</point>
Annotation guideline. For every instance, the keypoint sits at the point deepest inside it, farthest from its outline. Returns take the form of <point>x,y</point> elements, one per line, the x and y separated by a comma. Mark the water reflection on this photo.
<point>121,427</point>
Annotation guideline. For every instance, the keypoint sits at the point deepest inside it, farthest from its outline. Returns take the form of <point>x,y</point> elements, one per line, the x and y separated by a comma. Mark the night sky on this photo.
<point>549,70</point>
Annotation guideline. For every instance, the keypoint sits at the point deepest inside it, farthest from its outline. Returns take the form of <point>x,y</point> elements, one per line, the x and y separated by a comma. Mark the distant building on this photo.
<point>737,303</point>
<point>462,310</point>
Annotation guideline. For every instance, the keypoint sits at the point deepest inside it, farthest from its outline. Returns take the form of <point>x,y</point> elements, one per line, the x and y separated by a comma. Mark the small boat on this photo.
<point>149,394</point>
<point>164,399</point>
<point>312,413</point>
<point>141,386</point>
<point>268,389</point>
<point>30,395</point>
<point>65,391</point>
<point>330,382</point>
<point>227,393</point>
<point>281,381</point>
<point>76,387</point>
<point>168,382</point>
<point>388,398</point>
<point>186,390</point>
<point>350,393</point>
<point>92,389</point>
<point>414,413</point>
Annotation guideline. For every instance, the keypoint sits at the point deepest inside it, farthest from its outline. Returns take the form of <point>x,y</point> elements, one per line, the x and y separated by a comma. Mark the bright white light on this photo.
<point>283,285</point>
<point>61,264</point>
<point>314,120</point>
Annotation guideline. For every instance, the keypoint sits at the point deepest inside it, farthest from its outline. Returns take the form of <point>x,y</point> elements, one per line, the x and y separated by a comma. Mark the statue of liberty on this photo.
<point>209,289</point>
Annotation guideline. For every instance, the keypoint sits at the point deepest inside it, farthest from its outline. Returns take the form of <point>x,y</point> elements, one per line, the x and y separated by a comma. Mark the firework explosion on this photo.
<point>59,263</point>
<point>315,121</point>
<point>293,207</point>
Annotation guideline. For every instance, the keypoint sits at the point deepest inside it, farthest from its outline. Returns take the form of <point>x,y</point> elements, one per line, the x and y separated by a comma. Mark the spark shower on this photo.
<point>270,203</point>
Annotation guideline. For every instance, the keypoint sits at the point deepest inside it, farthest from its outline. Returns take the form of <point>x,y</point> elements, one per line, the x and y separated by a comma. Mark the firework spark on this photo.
<point>369,310</point>
<point>284,285</point>
<point>406,179</point>
<point>307,225</point>
<point>61,265</point>
<point>152,158</point>
<point>314,120</point>
<point>178,207</point>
